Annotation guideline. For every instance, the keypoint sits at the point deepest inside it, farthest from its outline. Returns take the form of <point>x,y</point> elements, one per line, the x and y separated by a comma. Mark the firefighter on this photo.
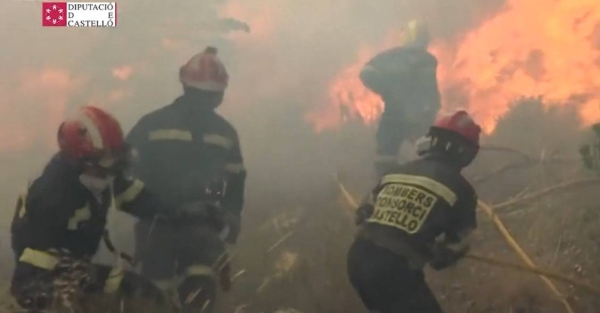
<point>419,213</point>
<point>405,78</point>
<point>190,156</point>
<point>60,220</point>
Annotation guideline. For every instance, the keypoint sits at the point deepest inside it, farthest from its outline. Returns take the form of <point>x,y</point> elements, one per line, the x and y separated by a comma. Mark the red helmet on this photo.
<point>205,71</point>
<point>94,135</point>
<point>461,123</point>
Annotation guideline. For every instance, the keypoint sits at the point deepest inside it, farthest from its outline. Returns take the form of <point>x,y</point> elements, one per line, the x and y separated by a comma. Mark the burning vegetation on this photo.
<point>515,53</point>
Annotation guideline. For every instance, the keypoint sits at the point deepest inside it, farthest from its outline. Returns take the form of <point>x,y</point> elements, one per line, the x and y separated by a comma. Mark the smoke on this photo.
<point>280,71</point>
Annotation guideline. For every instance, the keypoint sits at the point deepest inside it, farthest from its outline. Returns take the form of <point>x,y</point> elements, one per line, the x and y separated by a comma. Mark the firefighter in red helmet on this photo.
<point>190,156</point>
<point>419,213</point>
<point>60,220</point>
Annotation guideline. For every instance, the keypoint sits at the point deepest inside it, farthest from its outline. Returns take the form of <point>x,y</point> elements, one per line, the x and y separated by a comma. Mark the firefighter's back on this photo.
<point>405,77</point>
<point>417,202</point>
<point>180,154</point>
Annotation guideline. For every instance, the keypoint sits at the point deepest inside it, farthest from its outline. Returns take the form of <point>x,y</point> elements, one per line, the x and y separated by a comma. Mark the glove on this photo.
<point>233,226</point>
<point>363,213</point>
<point>446,254</point>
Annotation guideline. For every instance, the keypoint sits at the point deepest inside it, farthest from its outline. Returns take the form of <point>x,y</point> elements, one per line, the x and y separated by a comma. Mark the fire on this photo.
<point>530,48</point>
<point>349,98</point>
<point>524,52</point>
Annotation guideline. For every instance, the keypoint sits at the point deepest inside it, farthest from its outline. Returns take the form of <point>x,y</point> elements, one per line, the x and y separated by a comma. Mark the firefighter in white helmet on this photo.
<point>405,78</point>
<point>190,156</point>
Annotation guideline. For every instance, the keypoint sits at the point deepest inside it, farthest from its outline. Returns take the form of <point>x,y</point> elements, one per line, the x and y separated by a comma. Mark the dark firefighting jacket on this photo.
<point>405,78</point>
<point>183,150</point>
<point>416,203</point>
<point>58,214</point>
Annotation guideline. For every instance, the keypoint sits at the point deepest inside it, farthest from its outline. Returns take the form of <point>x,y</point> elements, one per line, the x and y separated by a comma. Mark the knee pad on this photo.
<point>198,294</point>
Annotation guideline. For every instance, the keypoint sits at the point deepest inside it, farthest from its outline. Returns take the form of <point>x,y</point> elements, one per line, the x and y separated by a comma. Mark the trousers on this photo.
<point>385,283</point>
<point>190,257</point>
<point>396,126</point>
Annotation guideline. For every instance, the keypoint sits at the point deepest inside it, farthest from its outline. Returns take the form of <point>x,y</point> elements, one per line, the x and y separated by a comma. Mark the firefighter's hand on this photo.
<point>234,223</point>
<point>363,213</point>
<point>446,254</point>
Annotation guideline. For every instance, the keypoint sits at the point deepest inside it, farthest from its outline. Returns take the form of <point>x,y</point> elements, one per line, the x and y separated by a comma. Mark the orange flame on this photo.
<point>548,48</point>
<point>534,47</point>
<point>349,98</point>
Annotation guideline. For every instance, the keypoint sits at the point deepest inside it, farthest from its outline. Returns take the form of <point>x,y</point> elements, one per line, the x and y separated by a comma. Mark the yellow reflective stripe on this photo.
<point>195,270</point>
<point>235,168</point>
<point>165,284</point>
<point>113,281</point>
<point>200,270</point>
<point>438,188</point>
<point>218,140</point>
<point>129,194</point>
<point>80,215</point>
<point>39,259</point>
<point>170,134</point>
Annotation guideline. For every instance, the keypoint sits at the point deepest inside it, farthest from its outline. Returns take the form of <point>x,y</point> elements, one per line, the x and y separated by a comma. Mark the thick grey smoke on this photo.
<point>280,71</point>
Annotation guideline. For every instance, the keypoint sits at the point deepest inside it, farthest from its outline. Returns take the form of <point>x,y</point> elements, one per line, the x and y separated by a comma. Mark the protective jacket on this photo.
<point>59,219</point>
<point>183,152</point>
<point>405,77</point>
<point>417,202</point>
<point>59,213</point>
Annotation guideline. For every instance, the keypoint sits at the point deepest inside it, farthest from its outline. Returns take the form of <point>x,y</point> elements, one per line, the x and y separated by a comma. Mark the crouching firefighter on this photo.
<point>190,156</point>
<point>420,213</point>
<point>405,78</point>
<point>59,222</point>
